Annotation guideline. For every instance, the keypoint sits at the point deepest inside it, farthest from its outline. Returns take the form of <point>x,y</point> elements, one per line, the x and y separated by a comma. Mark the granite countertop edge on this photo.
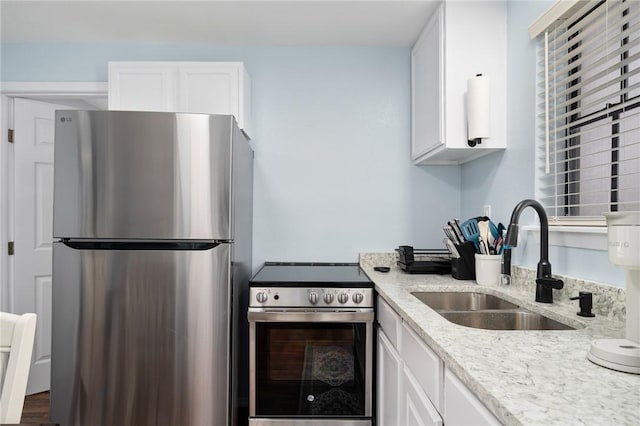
<point>521,376</point>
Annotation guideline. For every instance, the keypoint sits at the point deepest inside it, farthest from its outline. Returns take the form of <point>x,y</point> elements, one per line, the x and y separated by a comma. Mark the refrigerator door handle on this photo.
<point>141,245</point>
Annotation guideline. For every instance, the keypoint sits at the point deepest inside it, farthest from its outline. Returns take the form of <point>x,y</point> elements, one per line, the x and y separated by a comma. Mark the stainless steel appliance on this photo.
<point>153,214</point>
<point>310,345</point>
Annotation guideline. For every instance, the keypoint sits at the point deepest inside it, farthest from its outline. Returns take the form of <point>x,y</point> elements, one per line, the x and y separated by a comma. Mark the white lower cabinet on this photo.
<point>416,408</point>
<point>426,366</point>
<point>461,407</point>
<point>407,384</point>
<point>413,386</point>
<point>389,374</point>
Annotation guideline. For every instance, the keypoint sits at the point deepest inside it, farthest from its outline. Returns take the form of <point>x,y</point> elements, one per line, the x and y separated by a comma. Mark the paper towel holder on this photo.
<point>474,142</point>
<point>477,100</point>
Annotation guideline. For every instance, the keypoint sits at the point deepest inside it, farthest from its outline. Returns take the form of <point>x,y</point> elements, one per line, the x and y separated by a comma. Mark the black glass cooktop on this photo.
<point>285,274</point>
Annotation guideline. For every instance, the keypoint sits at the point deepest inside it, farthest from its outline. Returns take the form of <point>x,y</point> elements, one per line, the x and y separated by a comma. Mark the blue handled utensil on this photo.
<point>471,232</point>
<point>495,233</point>
<point>492,236</point>
<point>500,238</point>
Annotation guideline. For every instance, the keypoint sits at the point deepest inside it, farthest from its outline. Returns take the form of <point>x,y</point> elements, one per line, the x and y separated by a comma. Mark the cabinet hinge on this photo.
<point>11,248</point>
<point>10,136</point>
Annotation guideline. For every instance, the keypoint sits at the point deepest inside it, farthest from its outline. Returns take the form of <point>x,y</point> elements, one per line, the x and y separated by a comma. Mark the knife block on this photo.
<point>464,267</point>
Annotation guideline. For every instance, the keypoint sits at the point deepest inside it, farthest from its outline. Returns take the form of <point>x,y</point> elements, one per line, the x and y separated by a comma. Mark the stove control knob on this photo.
<point>261,297</point>
<point>313,297</point>
<point>328,298</point>
<point>357,297</point>
<point>343,298</point>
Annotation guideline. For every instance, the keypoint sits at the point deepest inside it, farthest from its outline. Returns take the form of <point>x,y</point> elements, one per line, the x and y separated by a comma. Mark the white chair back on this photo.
<point>17,333</point>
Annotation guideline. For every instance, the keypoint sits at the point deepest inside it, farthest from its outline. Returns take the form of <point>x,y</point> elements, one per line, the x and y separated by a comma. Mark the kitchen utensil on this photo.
<point>494,230</point>
<point>452,247</point>
<point>471,232</point>
<point>500,239</point>
<point>483,228</point>
<point>449,233</point>
<point>493,237</point>
<point>482,246</point>
<point>456,221</point>
<point>456,231</point>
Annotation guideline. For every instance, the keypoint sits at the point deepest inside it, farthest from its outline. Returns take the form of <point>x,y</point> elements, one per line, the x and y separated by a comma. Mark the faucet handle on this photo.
<point>550,282</point>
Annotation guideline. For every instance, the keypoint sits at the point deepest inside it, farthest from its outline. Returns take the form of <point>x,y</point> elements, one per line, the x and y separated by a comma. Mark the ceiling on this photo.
<point>328,23</point>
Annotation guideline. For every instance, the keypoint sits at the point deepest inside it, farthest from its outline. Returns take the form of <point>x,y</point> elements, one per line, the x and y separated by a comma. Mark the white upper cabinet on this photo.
<point>427,83</point>
<point>199,87</point>
<point>460,40</point>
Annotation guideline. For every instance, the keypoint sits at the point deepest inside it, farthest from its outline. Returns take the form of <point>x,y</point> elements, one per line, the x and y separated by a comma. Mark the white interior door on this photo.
<point>33,235</point>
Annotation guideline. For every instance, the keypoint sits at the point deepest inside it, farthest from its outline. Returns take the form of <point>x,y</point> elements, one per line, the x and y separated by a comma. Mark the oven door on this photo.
<point>310,367</point>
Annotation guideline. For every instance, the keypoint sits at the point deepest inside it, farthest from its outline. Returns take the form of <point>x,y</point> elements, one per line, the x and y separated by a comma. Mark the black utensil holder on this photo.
<point>464,267</point>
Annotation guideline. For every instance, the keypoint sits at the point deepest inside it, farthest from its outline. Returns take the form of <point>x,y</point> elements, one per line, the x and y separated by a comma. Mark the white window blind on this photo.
<point>588,152</point>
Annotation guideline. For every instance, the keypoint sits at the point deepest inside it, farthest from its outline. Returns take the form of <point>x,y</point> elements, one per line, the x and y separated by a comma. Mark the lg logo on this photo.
<point>619,244</point>
<point>67,119</point>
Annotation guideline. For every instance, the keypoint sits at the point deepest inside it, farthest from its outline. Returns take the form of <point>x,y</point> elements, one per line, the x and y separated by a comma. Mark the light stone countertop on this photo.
<point>523,377</point>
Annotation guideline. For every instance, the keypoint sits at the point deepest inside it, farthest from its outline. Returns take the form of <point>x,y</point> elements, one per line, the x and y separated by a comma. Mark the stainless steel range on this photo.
<point>311,345</point>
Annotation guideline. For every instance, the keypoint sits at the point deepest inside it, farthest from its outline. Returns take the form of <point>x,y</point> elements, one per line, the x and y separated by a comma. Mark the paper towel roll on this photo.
<point>478,108</point>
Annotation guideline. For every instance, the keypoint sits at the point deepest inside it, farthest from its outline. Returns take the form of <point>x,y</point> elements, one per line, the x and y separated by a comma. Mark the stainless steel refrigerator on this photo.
<point>152,222</point>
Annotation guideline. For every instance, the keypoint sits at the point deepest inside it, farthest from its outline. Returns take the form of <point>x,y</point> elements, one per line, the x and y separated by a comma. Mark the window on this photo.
<point>588,153</point>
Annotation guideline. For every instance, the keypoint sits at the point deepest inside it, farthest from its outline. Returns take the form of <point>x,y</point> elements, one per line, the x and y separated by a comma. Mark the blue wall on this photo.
<point>503,179</point>
<point>331,136</point>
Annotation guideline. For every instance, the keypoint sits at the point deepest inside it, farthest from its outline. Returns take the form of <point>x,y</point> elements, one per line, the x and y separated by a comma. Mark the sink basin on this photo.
<point>462,301</point>
<point>501,320</point>
<point>479,310</point>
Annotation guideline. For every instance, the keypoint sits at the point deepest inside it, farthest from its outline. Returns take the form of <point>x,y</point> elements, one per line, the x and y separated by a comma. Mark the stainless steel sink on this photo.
<point>462,301</point>
<point>479,310</point>
<point>501,320</point>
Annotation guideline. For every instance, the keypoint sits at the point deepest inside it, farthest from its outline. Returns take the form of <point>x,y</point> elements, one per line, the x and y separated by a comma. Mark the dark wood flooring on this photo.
<point>36,409</point>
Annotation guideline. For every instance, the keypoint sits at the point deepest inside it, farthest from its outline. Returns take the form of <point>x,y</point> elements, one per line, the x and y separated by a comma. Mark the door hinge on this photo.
<point>10,136</point>
<point>11,248</point>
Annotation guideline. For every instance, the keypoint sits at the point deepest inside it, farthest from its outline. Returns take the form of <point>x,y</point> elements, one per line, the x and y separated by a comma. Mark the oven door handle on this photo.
<point>255,315</point>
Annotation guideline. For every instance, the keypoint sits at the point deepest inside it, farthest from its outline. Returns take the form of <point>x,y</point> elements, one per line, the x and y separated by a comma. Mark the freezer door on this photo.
<point>140,337</point>
<point>144,175</point>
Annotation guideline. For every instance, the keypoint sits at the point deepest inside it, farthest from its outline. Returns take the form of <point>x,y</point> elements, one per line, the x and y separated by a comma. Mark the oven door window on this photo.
<point>305,369</point>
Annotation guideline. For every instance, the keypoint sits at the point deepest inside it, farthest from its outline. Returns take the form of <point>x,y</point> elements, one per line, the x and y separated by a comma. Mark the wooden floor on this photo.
<point>36,409</point>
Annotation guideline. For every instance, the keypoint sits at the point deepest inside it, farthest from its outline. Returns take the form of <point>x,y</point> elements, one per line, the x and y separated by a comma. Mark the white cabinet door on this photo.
<point>461,407</point>
<point>389,322</point>
<point>216,88</point>
<point>426,366</point>
<point>389,371</point>
<point>414,387</point>
<point>142,87</point>
<point>196,87</point>
<point>209,89</point>
<point>427,82</point>
<point>416,409</point>
<point>460,40</point>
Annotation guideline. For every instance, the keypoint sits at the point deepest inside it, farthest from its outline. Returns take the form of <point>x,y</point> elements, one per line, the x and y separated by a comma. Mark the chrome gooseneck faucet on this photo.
<point>544,281</point>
